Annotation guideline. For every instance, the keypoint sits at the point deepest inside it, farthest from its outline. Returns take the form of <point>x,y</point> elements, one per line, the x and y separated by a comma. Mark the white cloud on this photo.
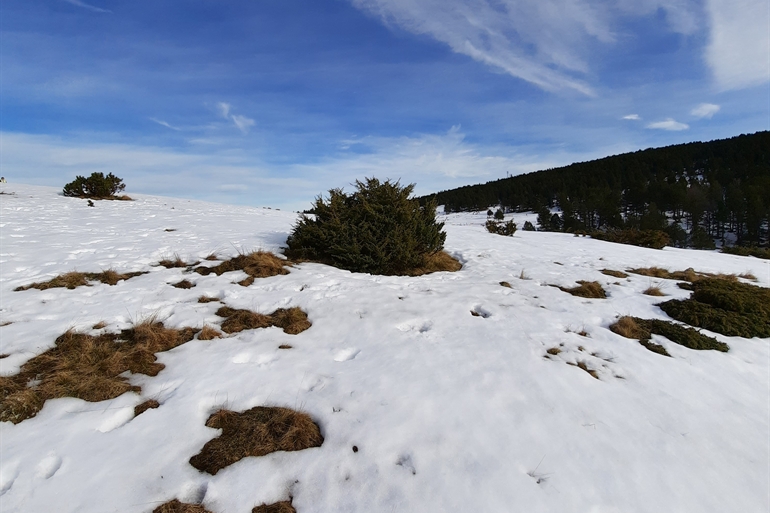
<point>739,48</point>
<point>705,110</point>
<point>224,109</point>
<point>79,3</point>
<point>243,123</point>
<point>545,42</point>
<point>634,117</point>
<point>163,123</point>
<point>669,124</point>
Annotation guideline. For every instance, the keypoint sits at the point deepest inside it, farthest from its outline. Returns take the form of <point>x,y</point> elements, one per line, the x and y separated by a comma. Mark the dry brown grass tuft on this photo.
<point>180,507</point>
<point>146,405</point>
<point>523,275</point>
<point>207,299</point>
<point>257,264</point>
<point>653,291</point>
<point>4,355</point>
<point>506,284</point>
<point>587,289</point>
<point>76,279</point>
<point>87,367</point>
<point>255,432</point>
<point>582,365</point>
<point>747,276</point>
<point>209,333</point>
<point>212,257</point>
<point>689,274</point>
<point>627,327</point>
<point>175,262</point>
<point>184,284</point>
<point>285,346</point>
<point>437,262</point>
<point>99,325</point>
<point>5,323</point>
<point>614,274</point>
<point>553,351</point>
<point>291,320</point>
<point>276,507</point>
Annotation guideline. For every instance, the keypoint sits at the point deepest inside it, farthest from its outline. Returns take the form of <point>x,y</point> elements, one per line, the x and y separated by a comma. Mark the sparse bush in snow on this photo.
<point>507,228</point>
<point>96,186</point>
<point>528,226</point>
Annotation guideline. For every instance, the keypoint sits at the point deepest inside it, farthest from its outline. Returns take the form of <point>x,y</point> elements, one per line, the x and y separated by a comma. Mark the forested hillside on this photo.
<point>697,192</point>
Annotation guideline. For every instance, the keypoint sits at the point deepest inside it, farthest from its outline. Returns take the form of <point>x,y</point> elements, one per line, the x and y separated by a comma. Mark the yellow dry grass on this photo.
<point>653,291</point>
<point>257,264</point>
<point>587,289</point>
<point>76,279</point>
<point>437,262</point>
<point>614,274</point>
<point>175,506</point>
<point>276,507</point>
<point>209,333</point>
<point>689,274</point>
<point>292,320</point>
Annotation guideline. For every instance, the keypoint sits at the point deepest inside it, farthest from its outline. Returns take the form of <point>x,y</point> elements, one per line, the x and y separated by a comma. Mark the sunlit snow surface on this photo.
<point>450,411</point>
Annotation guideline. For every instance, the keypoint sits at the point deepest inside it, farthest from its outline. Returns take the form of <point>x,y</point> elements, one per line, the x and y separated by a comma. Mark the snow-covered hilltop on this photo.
<point>458,393</point>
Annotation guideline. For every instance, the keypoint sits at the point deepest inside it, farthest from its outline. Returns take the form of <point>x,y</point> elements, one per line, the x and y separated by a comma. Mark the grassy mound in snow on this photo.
<point>257,264</point>
<point>748,251</point>
<point>588,289</point>
<point>255,432</point>
<point>75,279</point>
<point>292,320</point>
<point>643,329</point>
<point>731,308</point>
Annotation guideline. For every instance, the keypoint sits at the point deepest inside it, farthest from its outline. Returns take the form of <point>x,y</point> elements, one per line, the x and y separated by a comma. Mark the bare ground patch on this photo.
<point>257,264</point>
<point>87,367</point>
<point>175,506</point>
<point>76,279</point>
<point>255,432</point>
<point>587,289</point>
<point>291,320</point>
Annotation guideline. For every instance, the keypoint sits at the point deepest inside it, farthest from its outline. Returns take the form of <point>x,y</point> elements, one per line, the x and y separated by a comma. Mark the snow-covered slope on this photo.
<point>450,411</point>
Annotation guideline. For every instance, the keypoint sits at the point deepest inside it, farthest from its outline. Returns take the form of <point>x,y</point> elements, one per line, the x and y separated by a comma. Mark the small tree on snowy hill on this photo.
<point>96,186</point>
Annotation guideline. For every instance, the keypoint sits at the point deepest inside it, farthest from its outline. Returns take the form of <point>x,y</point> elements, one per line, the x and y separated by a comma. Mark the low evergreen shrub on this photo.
<point>377,229</point>
<point>748,251</point>
<point>655,239</point>
<point>507,228</point>
<point>96,186</point>
<point>528,226</point>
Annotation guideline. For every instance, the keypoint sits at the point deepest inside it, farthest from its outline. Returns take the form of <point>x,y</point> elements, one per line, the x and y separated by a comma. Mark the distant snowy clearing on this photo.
<point>458,393</point>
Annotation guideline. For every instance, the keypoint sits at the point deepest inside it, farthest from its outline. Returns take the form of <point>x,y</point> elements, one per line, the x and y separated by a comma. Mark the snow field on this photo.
<point>449,411</point>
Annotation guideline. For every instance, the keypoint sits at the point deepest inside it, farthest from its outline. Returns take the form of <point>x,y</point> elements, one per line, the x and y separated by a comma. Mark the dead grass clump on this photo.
<point>291,320</point>
<point>184,284</point>
<point>87,367</point>
<point>212,257</point>
<point>76,279</point>
<point>436,262</point>
<point>506,284</point>
<point>643,329</point>
<point>747,276</point>
<point>175,262</point>
<point>255,432</point>
<point>653,291</point>
<point>257,264</point>
<point>553,351</point>
<point>627,327</point>
<point>99,325</point>
<point>582,365</point>
<point>4,355</point>
<point>207,299</point>
<point>209,333</point>
<point>689,274</point>
<point>614,274</point>
<point>175,506</point>
<point>587,289</point>
<point>146,405</point>
<point>285,346</point>
<point>276,507</point>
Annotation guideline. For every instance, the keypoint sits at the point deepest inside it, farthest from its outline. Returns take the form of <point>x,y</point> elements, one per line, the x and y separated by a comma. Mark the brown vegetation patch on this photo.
<point>184,284</point>
<point>436,262</point>
<point>614,274</point>
<point>653,291</point>
<point>291,320</point>
<point>5,323</point>
<point>506,284</point>
<point>175,263</point>
<point>99,325</point>
<point>587,289</point>
<point>76,279</point>
<point>209,333</point>
<point>643,329</point>
<point>553,351</point>
<point>747,276</point>
<point>4,355</point>
<point>143,407</point>
<point>255,432</point>
<point>87,367</point>
<point>689,274</point>
<point>285,346</point>
<point>276,507</point>
<point>582,365</point>
<point>207,299</point>
<point>180,507</point>
<point>257,264</point>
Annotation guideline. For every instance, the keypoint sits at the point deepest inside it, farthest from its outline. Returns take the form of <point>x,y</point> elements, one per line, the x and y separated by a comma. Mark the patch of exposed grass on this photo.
<point>276,507</point>
<point>175,262</point>
<point>523,275</point>
<point>553,351</point>
<point>4,355</point>
<point>175,506</point>
<point>734,309</point>
<point>653,291</point>
<point>184,284</point>
<point>255,432</point>
<point>146,405</point>
<point>614,274</point>
<point>436,262</point>
<point>689,275</point>
<point>285,346</point>
<point>506,284</point>
<point>207,299</point>
<point>587,289</point>
<point>87,367</point>
<point>170,230</point>
<point>212,257</point>
<point>5,323</point>
<point>257,264</point>
<point>292,320</point>
<point>748,251</point>
<point>209,333</point>
<point>643,329</point>
<point>99,325</point>
<point>748,276</point>
<point>76,279</point>
<point>583,366</point>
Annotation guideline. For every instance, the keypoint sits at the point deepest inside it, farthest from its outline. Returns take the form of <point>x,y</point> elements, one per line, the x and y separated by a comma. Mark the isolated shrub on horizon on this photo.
<point>528,226</point>
<point>96,186</point>
<point>377,229</point>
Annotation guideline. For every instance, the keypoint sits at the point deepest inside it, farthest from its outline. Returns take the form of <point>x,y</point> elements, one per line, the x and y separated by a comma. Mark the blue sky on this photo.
<point>272,102</point>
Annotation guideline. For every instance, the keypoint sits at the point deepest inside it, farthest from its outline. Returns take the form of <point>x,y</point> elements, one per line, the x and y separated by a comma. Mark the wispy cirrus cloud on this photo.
<point>243,123</point>
<point>164,123</point>
<point>633,117</point>
<point>545,42</point>
<point>705,110</point>
<point>669,124</point>
<point>84,5</point>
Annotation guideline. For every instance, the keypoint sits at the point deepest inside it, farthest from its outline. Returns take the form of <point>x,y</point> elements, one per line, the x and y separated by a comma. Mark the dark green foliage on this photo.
<point>528,226</point>
<point>655,239</point>
<point>377,229</point>
<point>731,308</point>
<point>490,213</point>
<point>96,186</point>
<point>748,251</point>
<point>499,215</point>
<point>699,239</point>
<point>507,228</point>
<point>643,329</point>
